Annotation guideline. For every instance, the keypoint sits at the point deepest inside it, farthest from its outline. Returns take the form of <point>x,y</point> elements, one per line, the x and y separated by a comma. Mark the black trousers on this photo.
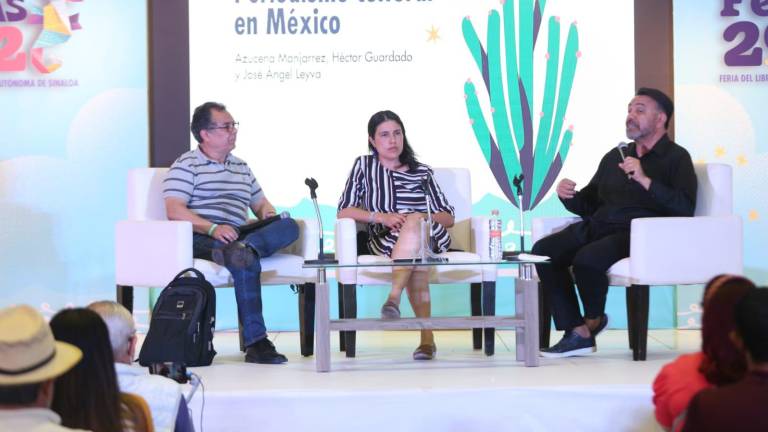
<point>589,249</point>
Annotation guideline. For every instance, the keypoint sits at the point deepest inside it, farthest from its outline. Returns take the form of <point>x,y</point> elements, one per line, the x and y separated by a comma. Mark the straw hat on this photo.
<point>28,352</point>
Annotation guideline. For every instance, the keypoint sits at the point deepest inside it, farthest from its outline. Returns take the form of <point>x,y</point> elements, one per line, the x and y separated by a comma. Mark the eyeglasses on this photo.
<point>229,127</point>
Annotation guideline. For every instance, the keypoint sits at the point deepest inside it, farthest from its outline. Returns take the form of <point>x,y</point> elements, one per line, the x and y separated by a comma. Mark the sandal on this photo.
<point>390,310</point>
<point>425,352</point>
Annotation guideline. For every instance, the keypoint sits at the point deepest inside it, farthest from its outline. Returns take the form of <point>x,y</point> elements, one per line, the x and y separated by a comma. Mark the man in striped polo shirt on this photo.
<point>213,189</point>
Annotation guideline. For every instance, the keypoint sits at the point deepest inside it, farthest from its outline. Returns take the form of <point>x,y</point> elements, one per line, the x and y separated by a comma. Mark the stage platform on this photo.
<point>382,389</point>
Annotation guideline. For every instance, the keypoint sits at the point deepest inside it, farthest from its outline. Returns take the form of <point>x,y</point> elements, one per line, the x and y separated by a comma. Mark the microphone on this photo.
<point>312,183</point>
<point>623,147</point>
<point>321,258</point>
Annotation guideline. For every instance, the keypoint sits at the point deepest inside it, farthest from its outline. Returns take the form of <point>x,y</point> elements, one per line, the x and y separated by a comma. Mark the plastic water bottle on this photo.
<point>494,240</point>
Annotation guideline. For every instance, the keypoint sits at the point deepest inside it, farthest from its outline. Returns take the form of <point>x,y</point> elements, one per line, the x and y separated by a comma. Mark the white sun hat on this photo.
<point>28,352</point>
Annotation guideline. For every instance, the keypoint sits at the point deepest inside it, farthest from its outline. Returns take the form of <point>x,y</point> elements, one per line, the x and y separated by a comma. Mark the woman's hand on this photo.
<point>393,221</point>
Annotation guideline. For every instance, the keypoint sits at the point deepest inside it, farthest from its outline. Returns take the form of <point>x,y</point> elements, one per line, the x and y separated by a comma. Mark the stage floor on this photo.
<point>462,389</point>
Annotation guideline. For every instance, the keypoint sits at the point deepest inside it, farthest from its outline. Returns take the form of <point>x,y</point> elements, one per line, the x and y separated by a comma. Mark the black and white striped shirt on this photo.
<point>219,192</point>
<point>373,187</point>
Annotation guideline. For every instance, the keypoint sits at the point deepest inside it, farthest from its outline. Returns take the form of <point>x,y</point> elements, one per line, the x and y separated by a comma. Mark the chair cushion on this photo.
<point>278,269</point>
<point>618,274</point>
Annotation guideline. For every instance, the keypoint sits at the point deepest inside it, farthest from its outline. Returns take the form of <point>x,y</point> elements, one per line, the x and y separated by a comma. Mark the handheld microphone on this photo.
<point>623,147</point>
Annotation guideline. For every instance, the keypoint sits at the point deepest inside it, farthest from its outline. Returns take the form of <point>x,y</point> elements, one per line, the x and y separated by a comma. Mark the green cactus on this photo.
<point>511,150</point>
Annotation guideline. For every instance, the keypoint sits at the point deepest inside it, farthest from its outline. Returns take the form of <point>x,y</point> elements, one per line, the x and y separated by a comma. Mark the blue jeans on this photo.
<point>265,241</point>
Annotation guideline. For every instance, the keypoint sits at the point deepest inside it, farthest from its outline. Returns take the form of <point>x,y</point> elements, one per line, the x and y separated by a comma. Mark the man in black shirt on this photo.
<point>653,177</point>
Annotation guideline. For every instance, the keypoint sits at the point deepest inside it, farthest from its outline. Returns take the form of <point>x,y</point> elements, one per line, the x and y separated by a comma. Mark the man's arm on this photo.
<point>176,209</point>
<point>584,202</point>
<point>263,208</point>
<point>678,198</point>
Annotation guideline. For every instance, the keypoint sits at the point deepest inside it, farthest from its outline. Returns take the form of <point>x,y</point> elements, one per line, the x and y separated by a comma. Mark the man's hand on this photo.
<point>566,189</point>
<point>225,233</point>
<point>634,170</point>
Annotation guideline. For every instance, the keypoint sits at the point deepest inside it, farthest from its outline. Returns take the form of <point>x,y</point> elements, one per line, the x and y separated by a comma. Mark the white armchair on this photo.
<point>150,250</point>
<point>669,250</point>
<point>469,241</point>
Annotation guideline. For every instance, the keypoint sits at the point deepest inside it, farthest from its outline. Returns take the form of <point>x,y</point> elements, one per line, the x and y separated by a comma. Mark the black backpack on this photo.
<point>182,324</point>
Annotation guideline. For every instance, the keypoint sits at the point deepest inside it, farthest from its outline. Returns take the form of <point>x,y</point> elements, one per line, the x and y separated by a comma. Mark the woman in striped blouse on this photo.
<point>385,191</point>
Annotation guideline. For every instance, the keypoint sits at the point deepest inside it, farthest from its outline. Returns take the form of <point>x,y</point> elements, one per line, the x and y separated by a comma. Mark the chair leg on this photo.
<point>641,327</point>
<point>124,296</point>
<point>350,311</point>
<point>307,319</point>
<point>489,309</point>
<point>340,287</point>
<point>545,318</point>
<point>475,294</point>
<point>630,316</point>
<point>240,336</point>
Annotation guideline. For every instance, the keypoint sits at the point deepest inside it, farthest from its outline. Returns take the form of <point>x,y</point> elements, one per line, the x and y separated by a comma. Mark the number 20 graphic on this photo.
<point>14,59</point>
<point>741,55</point>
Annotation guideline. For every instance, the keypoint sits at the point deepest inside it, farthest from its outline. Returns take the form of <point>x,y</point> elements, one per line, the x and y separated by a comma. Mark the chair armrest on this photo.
<point>151,253</point>
<point>345,236</point>
<point>542,227</point>
<point>685,250</point>
<point>308,243</point>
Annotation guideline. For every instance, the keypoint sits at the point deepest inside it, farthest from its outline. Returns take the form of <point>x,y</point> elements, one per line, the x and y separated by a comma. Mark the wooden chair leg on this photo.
<point>489,309</point>
<point>124,296</point>
<point>641,323</point>
<point>545,318</point>
<point>307,319</point>
<point>240,336</point>
<point>350,311</point>
<point>475,295</point>
<point>631,312</point>
<point>340,288</point>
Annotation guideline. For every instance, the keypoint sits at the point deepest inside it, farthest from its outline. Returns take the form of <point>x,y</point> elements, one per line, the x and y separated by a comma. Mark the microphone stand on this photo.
<point>427,255</point>
<point>321,257</point>
<point>517,181</point>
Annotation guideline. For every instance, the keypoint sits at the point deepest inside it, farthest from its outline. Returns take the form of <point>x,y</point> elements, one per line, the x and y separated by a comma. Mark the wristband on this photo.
<point>212,229</point>
<point>371,217</point>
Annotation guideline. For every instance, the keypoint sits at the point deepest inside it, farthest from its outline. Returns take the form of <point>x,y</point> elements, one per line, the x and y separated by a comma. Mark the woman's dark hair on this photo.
<point>752,323</point>
<point>723,362</point>
<point>407,157</point>
<point>87,396</point>
<point>201,118</point>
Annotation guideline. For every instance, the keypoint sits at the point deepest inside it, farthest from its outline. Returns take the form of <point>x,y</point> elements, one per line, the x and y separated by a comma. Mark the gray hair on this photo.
<point>119,322</point>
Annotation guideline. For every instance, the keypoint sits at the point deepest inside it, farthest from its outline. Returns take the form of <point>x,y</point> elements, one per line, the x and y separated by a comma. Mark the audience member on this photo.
<point>385,191</point>
<point>30,360</point>
<point>740,406</point>
<point>718,363</point>
<point>87,396</point>
<point>169,409</point>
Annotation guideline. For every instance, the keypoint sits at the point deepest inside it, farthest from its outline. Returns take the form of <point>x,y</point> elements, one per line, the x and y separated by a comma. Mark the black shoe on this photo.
<point>236,255</point>
<point>570,345</point>
<point>600,326</point>
<point>263,352</point>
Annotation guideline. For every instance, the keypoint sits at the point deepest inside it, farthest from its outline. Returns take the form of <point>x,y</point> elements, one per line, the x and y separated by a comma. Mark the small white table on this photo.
<point>525,321</point>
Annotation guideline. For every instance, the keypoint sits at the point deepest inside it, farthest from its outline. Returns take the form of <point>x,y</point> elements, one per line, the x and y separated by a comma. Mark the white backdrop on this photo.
<point>316,127</point>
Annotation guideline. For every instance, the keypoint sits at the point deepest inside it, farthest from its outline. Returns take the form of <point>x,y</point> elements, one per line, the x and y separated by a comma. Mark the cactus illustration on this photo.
<point>514,147</point>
